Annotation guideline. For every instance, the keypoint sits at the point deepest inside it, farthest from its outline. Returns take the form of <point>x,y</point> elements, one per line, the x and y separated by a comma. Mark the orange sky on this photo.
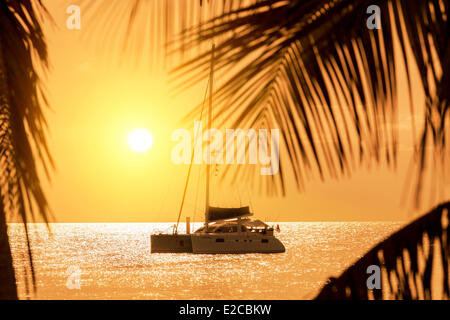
<point>96,103</point>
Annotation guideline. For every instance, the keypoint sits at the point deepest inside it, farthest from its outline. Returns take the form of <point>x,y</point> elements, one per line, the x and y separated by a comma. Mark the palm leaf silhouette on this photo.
<point>424,242</point>
<point>311,68</point>
<point>22,127</point>
<point>314,69</point>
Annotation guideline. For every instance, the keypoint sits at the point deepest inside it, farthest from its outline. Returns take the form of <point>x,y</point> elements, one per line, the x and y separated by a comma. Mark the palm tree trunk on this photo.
<point>8,288</point>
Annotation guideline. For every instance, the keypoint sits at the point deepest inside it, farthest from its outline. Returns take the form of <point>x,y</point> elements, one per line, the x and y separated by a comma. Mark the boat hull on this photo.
<point>235,243</point>
<point>210,243</point>
<point>170,243</point>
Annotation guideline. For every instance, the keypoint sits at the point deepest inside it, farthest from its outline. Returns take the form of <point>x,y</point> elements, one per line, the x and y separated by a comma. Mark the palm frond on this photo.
<point>311,68</point>
<point>135,27</point>
<point>406,258</point>
<point>328,82</point>
<point>22,121</point>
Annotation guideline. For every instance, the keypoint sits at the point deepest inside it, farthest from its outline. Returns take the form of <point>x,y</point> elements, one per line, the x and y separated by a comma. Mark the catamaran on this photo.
<point>225,230</point>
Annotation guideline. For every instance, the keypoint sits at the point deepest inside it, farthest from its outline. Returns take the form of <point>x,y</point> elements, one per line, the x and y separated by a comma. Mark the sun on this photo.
<point>140,140</point>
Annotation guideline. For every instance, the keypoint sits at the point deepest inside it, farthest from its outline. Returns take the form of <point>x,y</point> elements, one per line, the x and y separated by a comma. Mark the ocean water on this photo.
<point>114,262</point>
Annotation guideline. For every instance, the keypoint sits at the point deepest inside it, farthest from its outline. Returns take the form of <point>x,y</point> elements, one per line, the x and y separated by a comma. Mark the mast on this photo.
<point>208,166</point>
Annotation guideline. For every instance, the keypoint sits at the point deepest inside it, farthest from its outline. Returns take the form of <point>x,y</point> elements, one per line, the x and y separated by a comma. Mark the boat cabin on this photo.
<point>247,225</point>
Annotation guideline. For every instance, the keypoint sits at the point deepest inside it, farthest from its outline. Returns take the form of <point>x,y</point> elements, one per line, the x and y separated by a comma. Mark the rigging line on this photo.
<point>210,119</point>
<point>190,165</point>
<point>196,198</point>
<point>196,193</point>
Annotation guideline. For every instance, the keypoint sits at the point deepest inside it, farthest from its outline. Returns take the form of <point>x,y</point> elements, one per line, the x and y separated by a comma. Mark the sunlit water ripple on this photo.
<point>116,263</point>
